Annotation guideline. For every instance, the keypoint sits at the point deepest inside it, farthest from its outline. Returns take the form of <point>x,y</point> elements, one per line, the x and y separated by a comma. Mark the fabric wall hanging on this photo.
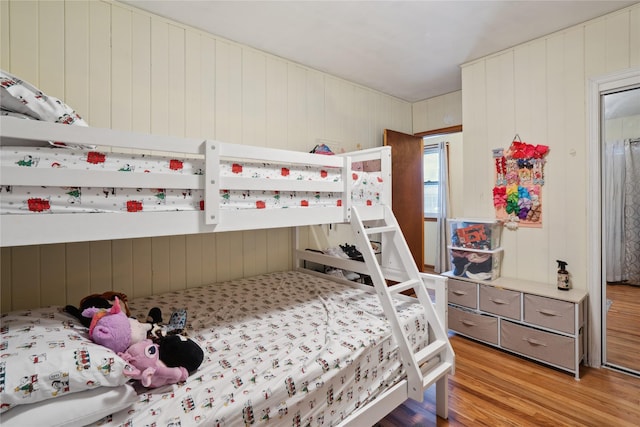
<point>517,194</point>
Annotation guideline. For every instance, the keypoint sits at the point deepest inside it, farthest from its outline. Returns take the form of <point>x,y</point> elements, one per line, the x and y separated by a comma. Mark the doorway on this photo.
<point>601,303</point>
<point>620,150</point>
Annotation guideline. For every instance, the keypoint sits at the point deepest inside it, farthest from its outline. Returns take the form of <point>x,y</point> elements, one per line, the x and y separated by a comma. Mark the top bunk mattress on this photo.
<point>366,186</point>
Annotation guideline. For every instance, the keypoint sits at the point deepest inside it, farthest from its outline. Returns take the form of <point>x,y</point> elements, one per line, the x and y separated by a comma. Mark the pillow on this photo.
<point>47,354</point>
<point>21,97</point>
<point>76,409</point>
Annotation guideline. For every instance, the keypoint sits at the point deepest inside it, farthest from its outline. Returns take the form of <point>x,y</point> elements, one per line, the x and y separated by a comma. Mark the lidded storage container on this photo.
<point>475,233</point>
<point>476,264</point>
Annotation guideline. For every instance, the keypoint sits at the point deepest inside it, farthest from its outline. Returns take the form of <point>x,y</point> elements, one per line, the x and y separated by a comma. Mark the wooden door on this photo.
<point>408,189</point>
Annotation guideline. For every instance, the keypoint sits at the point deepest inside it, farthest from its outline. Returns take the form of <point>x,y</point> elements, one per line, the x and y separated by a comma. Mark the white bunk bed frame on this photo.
<point>430,365</point>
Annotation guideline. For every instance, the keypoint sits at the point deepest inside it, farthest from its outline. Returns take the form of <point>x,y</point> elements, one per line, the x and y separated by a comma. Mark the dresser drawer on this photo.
<point>499,301</point>
<point>462,293</point>
<point>474,325</point>
<point>546,346</point>
<point>550,313</point>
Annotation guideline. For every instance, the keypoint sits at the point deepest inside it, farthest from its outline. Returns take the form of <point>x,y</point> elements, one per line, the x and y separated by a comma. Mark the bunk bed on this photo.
<point>290,348</point>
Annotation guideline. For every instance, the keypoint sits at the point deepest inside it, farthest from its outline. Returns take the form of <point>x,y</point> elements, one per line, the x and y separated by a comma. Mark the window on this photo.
<point>431,166</point>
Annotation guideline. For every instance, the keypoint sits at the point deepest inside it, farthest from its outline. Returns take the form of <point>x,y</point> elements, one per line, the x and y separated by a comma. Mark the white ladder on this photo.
<point>436,360</point>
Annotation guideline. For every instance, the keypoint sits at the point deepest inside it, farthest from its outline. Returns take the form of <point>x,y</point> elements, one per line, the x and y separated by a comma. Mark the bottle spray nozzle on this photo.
<point>561,264</point>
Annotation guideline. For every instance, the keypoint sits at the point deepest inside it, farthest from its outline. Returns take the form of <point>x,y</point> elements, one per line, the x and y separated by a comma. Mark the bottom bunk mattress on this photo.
<point>285,348</point>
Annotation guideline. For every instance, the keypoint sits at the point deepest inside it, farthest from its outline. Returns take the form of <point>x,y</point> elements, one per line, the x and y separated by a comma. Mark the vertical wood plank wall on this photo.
<point>126,69</point>
<point>538,91</point>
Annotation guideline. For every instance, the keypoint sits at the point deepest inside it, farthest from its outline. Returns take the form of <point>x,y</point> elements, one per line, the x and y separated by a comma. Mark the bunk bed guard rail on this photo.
<point>46,227</point>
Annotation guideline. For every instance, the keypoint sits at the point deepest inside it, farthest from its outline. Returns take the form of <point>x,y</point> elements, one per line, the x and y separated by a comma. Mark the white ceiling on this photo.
<point>409,49</point>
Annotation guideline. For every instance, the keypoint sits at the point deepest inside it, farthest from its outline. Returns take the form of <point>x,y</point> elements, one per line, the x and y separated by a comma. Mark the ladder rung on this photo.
<point>436,373</point>
<point>383,229</point>
<point>430,351</point>
<point>403,286</point>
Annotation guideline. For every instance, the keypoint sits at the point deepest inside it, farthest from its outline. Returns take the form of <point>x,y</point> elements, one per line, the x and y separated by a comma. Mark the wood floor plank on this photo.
<point>494,388</point>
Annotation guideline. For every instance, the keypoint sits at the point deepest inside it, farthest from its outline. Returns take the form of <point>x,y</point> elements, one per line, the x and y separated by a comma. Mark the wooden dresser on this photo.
<point>532,319</point>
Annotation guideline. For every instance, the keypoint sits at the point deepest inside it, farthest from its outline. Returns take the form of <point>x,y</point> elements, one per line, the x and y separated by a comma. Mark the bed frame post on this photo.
<point>212,182</point>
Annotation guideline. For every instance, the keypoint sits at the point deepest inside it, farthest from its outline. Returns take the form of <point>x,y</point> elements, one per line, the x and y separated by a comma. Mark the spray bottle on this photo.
<point>563,276</point>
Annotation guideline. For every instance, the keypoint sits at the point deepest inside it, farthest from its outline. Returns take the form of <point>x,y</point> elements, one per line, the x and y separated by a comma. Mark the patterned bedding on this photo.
<point>366,189</point>
<point>280,349</point>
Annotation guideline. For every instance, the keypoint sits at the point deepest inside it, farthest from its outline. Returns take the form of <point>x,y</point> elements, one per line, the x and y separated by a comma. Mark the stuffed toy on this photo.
<point>113,329</point>
<point>179,351</point>
<point>104,300</point>
<point>145,365</point>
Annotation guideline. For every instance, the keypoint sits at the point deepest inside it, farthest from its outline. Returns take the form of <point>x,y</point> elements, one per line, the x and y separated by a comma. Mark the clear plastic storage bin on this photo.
<point>475,233</point>
<point>475,264</point>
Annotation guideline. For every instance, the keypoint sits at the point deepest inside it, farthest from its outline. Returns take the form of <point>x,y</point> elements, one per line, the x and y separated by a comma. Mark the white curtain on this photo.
<point>621,199</point>
<point>442,254</point>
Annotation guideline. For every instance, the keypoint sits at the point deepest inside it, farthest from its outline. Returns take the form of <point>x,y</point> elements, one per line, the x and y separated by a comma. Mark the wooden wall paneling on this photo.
<point>50,44</point>
<point>194,260</point>
<point>209,258</point>
<point>475,114</point>
<point>228,92</point>
<point>374,133</point>
<point>6,283</point>
<point>420,116</point>
<point>316,101</point>
<point>122,265</point>
<point>296,120</point>
<point>280,239</point>
<point>229,250</point>
<point>381,116</point>
<point>361,119</point>
<point>236,254</point>
<point>24,57</point>
<point>76,57</point>
<point>140,73</point>
<point>78,266</point>
<point>178,262</point>
<point>254,98</point>
<point>142,267</point>
<point>557,163</point>
<point>5,37</point>
<point>161,264</point>
<point>208,87</point>
<point>338,111</point>
<point>401,114</point>
<point>255,246</point>
<point>500,129</point>
<point>25,277</point>
<point>617,41</point>
<point>100,64</point>
<point>575,135</point>
<point>177,80</point>
<point>224,256</point>
<point>121,68</point>
<point>101,267</point>
<point>160,83</point>
<point>595,48</point>
<point>530,123</point>
<point>193,84</point>
<point>634,37</point>
<point>276,108</point>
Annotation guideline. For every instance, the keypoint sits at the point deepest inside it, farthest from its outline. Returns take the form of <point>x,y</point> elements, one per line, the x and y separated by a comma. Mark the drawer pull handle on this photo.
<point>499,301</point>
<point>549,313</point>
<point>457,292</point>
<point>534,342</point>
<point>468,322</point>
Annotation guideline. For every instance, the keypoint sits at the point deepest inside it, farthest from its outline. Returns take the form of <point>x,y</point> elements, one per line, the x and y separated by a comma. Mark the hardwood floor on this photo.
<point>623,326</point>
<point>494,388</point>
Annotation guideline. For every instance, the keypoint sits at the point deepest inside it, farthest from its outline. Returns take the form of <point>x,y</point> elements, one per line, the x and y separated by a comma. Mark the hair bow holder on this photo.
<point>519,177</point>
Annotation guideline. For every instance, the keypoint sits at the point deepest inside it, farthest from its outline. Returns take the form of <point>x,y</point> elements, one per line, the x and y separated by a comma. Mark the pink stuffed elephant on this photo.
<point>146,366</point>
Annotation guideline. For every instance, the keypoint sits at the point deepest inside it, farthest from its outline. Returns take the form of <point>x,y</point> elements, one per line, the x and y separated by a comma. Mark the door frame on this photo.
<point>596,277</point>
